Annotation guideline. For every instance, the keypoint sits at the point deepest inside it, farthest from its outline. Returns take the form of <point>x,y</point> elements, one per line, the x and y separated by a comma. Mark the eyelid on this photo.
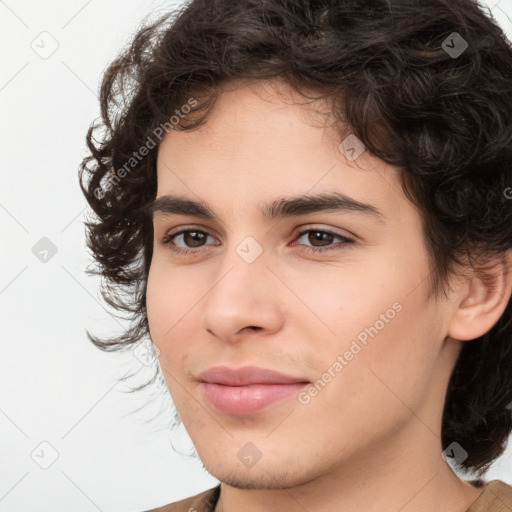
<point>333,231</point>
<point>298,233</point>
<point>179,230</point>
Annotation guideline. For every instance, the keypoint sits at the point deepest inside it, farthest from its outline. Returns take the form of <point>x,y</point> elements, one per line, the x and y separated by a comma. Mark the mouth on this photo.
<point>247,390</point>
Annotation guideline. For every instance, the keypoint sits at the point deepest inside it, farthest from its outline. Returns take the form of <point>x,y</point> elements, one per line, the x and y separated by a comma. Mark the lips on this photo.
<point>245,376</point>
<point>246,390</point>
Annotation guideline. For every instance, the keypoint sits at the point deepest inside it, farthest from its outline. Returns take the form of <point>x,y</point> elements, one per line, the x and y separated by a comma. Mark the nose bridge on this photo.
<point>241,293</point>
<point>241,274</point>
<point>245,261</point>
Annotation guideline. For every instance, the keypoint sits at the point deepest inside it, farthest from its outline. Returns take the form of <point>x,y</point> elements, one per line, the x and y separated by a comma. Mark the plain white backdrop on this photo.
<point>71,437</point>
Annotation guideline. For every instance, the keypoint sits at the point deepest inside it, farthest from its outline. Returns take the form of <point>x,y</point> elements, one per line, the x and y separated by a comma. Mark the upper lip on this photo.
<point>245,376</point>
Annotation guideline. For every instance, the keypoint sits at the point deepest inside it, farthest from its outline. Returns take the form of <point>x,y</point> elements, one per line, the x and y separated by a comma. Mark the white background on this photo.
<point>55,386</point>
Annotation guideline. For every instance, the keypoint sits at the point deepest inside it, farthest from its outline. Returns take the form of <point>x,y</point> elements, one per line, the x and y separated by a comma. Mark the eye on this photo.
<point>194,240</point>
<point>194,237</point>
<point>324,238</point>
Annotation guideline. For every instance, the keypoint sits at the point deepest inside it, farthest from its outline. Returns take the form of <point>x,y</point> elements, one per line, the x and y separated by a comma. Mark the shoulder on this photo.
<point>202,502</point>
<point>496,497</point>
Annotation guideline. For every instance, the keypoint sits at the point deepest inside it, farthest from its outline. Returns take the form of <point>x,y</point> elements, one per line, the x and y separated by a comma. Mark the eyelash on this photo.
<point>344,240</point>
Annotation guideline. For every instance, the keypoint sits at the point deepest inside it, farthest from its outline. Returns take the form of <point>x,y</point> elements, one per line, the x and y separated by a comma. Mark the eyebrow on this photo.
<point>279,208</point>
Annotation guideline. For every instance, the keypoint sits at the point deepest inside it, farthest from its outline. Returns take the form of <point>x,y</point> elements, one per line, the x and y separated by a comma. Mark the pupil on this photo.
<point>196,237</point>
<point>321,236</point>
<point>193,234</point>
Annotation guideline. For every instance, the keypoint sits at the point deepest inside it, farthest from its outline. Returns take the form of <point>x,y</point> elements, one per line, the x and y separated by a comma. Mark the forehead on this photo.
<point>260,142</point>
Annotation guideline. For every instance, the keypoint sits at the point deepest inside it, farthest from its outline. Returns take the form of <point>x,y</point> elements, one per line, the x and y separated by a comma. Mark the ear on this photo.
<point>482,299</point>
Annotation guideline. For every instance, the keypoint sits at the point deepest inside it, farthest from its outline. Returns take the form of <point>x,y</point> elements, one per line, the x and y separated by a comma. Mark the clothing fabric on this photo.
<point>496,497</point>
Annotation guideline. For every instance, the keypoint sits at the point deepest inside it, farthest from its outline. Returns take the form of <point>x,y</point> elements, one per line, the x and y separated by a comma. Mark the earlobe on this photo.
<point>483,300</point>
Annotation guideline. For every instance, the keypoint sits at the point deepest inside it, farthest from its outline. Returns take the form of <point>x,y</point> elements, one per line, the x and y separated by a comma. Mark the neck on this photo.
<point>402,472</point>
<point>401,477</point>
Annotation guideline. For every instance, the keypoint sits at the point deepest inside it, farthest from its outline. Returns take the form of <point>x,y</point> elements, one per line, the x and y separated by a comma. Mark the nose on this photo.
<point>245,298</point>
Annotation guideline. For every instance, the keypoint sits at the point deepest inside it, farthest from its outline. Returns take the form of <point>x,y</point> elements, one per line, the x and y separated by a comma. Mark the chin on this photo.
<point>259,478</point>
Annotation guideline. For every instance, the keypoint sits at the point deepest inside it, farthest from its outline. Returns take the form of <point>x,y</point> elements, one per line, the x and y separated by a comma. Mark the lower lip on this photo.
<point>248,399</point>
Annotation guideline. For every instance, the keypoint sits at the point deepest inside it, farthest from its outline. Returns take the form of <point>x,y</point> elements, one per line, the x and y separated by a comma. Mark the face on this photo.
<point>334,300</point>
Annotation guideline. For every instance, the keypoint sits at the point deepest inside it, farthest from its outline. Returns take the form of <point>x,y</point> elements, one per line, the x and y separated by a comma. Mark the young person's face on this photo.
<point>357,316</point>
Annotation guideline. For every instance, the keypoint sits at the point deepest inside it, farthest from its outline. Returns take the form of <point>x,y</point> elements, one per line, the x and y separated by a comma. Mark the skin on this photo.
<point>371,438</point>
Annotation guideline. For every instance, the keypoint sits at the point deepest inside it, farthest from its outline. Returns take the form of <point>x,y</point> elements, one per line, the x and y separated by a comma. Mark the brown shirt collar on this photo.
<point>496,497</point>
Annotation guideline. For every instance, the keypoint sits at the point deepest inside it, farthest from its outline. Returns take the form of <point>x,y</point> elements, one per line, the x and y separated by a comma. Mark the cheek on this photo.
<point>382,321</point>
<point>156,304</point>
<point>352,298</point>
<point>162,308</point>
<point>170,300</point>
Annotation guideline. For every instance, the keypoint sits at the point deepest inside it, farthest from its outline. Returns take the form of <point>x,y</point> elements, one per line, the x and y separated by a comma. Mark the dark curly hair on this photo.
<point>391,74</point>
